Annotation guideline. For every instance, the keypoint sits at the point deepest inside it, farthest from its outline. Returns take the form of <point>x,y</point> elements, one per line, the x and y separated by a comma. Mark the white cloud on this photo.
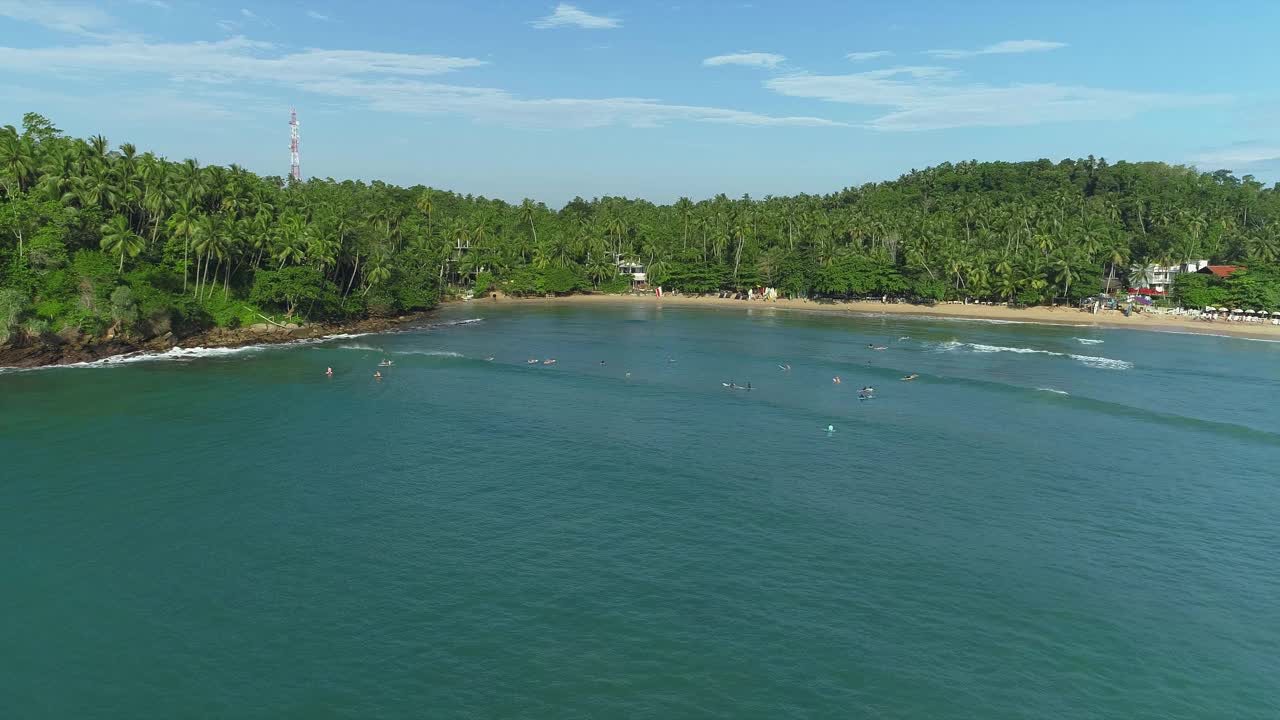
<point>68,17</point>
<point>157,4</point>
<point>1007,47</point>
<point>868,55</point>
<point>317,16</point>
<point>751,59</point>
<point>566,15</point>
<point>1241,157</point>
<point>392,82</point>
<point>248,13</point>
<point>931,98</point>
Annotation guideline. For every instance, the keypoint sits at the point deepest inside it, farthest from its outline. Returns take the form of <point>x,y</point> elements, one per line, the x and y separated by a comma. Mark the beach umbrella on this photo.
<point>1237,310</point>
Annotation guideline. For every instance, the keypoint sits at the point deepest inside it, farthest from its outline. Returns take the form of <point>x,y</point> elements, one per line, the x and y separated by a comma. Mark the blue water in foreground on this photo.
<point>1049,523</point>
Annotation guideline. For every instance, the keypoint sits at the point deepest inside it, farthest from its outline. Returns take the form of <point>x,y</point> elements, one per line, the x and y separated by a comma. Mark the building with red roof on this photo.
<point>1221,271</point>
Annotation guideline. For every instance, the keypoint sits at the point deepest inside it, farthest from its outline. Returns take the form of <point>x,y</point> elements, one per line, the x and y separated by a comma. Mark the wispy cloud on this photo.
<point>1241,157</point>
<point>867,55</point>
<point>67,17</point>
<point>1007,47</point>
<point>391,82</point>
<point>317,16</point>
<point>934,98</point>
<point>566,15</point>
<point>248,13</point>
<point>157,4</point>
<point>751,59</point>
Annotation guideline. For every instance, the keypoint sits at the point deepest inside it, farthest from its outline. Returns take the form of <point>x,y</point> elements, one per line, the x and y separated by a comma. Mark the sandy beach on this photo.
<point>1043,315</point>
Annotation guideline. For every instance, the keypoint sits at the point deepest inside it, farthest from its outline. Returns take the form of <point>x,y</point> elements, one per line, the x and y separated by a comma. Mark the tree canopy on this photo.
<point>206,244</point>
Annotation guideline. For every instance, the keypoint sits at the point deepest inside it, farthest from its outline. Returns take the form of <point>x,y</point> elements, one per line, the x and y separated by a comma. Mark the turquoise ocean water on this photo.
<point>1049,523</point>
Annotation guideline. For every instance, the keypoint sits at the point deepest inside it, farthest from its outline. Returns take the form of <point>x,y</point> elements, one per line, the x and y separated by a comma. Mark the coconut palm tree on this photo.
<point>1141,274</point>
<point>118,238</point>
<point>17,159</point>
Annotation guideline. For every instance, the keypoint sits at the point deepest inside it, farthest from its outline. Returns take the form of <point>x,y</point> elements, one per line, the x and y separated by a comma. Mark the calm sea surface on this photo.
<point>1048,523</point>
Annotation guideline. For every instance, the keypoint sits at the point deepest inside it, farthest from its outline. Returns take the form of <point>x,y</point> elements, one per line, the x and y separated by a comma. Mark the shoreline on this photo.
<point>1066,317</point>
<point>45,354</point>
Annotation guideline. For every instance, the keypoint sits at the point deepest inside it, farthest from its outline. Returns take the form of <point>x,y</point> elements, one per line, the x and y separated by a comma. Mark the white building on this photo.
<point>632,269</point>
<point>1160,277</point>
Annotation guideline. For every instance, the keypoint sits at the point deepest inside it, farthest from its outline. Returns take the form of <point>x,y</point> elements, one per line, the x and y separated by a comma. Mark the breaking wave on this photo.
<point>429,353</point>
<point>1055,391</point>
<point>1090,360</point>
<point>1089,341</point>
<point>453,323</point>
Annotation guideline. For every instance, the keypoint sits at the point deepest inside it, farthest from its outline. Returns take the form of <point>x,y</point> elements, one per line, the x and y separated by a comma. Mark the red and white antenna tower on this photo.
<point>295,165</point>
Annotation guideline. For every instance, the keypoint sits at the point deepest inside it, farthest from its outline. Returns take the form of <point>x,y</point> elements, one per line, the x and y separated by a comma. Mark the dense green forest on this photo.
<point>96,239</point>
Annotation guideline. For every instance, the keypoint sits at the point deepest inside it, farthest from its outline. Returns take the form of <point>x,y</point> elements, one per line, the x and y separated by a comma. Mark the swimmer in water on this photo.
<point>328,372</point>
<point>489,359</point>
<point>912,376</point>
<point>836,380</point>
<point>867,389</point>
<point>377,375</point>
<point>531,361</point>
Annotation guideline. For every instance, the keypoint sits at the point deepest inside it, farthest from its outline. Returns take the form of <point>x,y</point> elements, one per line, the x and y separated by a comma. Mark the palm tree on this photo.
<point>1117,254</point>
<point>183,224</point>
<point>527,210</point>
<point>1140,275</point>
<point>601,270</point>
<point>118,237</point>
<point>426,205</point>
<point>1063,265</point>
<point>17,158</point>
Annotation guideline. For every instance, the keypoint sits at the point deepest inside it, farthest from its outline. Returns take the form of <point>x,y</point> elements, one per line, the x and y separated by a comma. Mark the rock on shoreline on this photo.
<point>68,350</point>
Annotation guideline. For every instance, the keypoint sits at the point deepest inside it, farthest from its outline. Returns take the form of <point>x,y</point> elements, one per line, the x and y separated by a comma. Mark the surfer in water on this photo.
<point>912,376</point>
<point>836,380</point>
<point>748,384</point>
<point>377,375</point>
<point>328,372</point>
<point>867,390</point>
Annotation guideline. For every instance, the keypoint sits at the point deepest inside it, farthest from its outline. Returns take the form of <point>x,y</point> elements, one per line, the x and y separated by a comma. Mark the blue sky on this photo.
<point>655,99</point>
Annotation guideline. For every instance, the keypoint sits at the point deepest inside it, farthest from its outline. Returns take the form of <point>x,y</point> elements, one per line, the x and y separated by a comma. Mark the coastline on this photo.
<point>52,354</point>
<point>1107,319</point>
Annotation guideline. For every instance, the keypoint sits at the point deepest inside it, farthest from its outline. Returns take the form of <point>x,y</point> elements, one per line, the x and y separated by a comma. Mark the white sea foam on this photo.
<point>1104,363</point>
<point>1055,391</point>
<point>430,353</point>
<point>1091,361</point>
<point>358,346</point>
<point>999,348</point>
<point>181,353</point>
<point>454,323</point>
<point>1089,341</point>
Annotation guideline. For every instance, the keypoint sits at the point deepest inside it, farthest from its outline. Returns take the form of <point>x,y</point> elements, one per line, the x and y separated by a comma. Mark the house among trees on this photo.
<point>1222,271</point>
<point>1159,278</point>
<point>632,269</point>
